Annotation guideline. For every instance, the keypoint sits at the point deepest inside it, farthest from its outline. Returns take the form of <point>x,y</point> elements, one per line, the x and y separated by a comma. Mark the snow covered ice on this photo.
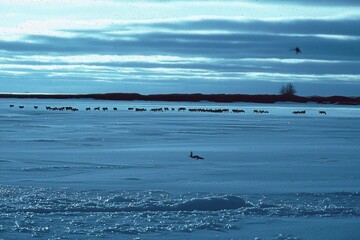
<point>128,175</point>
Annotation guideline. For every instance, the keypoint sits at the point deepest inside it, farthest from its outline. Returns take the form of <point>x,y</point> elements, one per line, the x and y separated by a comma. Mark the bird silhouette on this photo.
<point>197,157</point>
<point>297,50</point>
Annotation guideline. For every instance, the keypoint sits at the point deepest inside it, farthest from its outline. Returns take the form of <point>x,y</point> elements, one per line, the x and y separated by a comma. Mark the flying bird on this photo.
<point>297,50</point>
<point>197,157</point>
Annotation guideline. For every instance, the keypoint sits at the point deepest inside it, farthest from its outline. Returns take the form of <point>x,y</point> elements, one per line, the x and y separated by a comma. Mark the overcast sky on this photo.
<point>86,46</point>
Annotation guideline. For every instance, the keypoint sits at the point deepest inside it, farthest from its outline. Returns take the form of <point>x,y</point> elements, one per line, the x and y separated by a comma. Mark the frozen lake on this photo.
<point>127,174</point>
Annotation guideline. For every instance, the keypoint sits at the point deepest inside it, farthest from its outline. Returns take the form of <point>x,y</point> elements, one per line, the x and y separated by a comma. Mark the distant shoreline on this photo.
<point>197,97</point>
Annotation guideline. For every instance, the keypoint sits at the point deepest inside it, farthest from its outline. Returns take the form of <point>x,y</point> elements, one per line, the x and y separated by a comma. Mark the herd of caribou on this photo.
<point>165,109</point>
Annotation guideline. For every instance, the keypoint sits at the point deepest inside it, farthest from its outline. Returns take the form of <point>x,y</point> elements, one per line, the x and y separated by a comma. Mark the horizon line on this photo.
<point>196,97</point>
<point>173,93</point>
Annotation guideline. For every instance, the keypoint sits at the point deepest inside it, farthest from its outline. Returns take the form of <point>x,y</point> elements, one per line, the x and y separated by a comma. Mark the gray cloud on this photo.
<point>236,49</point>
<point>284,26</point>
<point>238,45</point>
<point>295,2</point>
<point>316,3</point>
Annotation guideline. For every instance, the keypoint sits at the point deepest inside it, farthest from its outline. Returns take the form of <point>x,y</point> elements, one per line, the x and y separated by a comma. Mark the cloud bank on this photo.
<point>202,53</point>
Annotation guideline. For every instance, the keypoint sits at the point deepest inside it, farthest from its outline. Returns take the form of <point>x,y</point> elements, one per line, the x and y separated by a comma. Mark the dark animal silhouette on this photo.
<point>238,111</point>
<point>208,110</point>
<point>299,112</point>
<point>36,107</point>
<point>11,105</point>
<point>297,50</point>
<point>260,111</point>
<point>115,109</point>
<point>197,157</point>
<point>88,109</point>
<point>322,112</point>
<point>21,107</point>
<point>156,110</point>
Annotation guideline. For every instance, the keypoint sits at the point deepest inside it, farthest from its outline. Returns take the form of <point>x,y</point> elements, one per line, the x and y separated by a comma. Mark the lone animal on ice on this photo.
<point>297,50</point>
<point>197,157</point>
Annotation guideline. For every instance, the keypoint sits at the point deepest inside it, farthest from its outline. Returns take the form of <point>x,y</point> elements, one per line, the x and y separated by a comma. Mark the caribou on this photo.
<point>156,110</point>
<point>238,111</point>
<point>299,112</point>
<point>260,111</point>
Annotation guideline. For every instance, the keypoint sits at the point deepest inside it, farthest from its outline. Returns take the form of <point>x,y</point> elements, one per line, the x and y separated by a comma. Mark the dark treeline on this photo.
<point>259,98</point>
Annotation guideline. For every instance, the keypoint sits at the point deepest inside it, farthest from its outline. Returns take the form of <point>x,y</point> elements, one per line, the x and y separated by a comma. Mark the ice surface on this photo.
<point>127,174</point>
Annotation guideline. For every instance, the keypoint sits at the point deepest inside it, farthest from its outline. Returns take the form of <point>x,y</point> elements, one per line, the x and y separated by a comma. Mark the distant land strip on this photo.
<point>225,98</point>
